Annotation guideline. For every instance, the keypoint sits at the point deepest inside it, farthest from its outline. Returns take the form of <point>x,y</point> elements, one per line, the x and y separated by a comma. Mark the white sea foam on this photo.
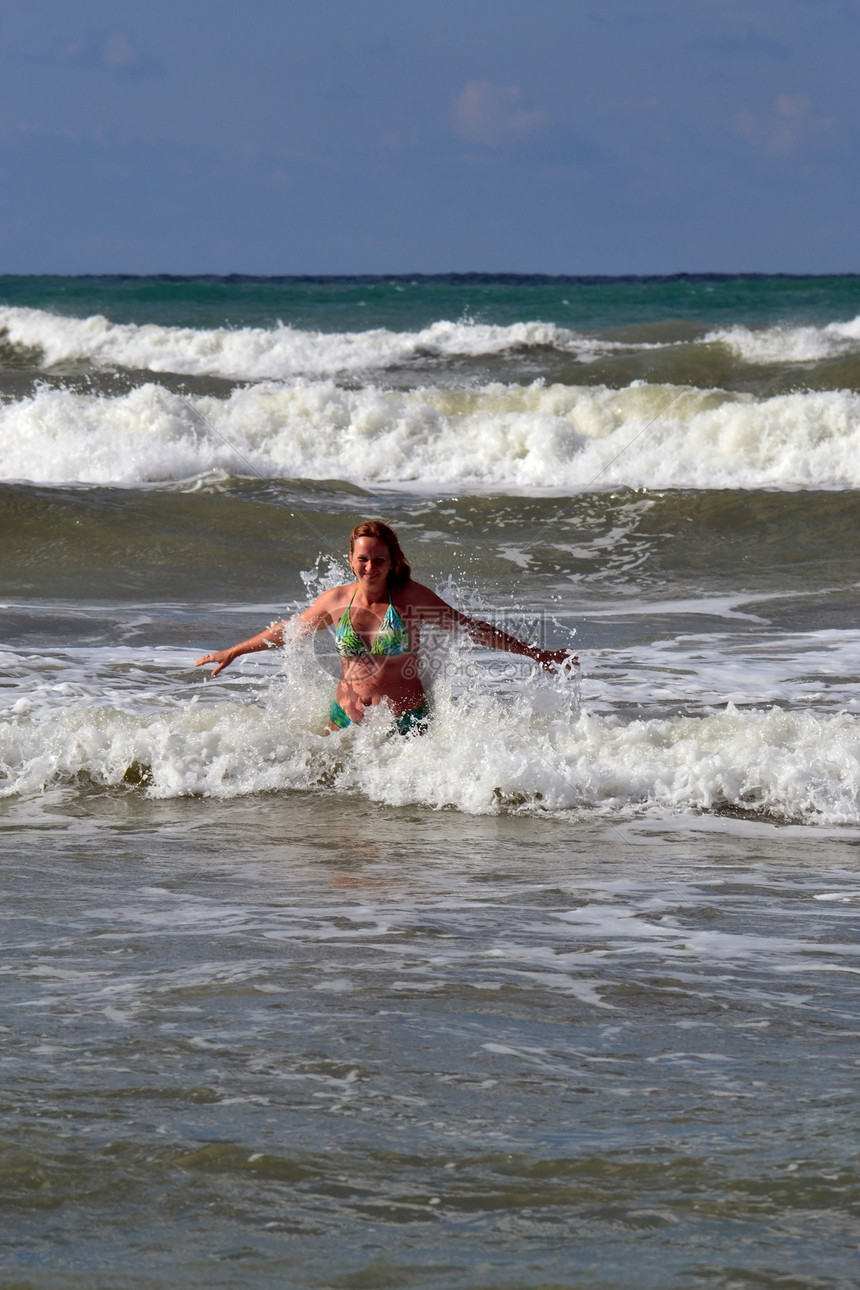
<point>789,344</point>
<point>283,352</point>
<point>278,352</point>
<point>558,437</point>
<point>698,672</point>
<point>481,756</point>
<point>531,748</point>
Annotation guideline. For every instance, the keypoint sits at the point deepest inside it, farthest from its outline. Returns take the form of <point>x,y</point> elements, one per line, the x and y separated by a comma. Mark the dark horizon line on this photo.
<point>581,279</point>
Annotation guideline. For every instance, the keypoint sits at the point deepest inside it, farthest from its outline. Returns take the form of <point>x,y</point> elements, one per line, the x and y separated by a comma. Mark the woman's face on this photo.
<point>370,561</point>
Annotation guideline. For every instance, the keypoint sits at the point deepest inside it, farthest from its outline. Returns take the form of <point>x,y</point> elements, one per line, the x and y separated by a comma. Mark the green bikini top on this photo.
<point>392,637</point>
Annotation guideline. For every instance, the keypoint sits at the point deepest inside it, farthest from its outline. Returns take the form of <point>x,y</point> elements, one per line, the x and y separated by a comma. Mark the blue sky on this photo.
<point>398,136</point>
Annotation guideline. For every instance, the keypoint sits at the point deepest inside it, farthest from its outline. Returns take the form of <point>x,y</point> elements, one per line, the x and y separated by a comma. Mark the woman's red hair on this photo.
<point>400,571</point>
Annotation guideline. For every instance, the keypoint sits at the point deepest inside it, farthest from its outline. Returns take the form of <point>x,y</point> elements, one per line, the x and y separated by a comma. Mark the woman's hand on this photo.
<point>222,658</point>
<point>556,660</point>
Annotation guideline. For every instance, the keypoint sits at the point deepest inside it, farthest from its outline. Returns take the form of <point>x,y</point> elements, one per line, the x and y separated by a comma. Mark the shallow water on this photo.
<point>314,1042</point>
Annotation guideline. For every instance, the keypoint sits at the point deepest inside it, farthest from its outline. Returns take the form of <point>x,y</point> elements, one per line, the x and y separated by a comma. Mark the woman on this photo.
<point>378,621</point>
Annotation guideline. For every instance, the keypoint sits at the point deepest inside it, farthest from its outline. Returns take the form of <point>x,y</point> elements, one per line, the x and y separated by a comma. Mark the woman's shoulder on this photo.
<point>344,591</point>
<point>330,600</point>
<point>415,595</point>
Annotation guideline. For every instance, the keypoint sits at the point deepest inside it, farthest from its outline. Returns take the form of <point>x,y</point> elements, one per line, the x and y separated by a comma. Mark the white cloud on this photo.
<point>787,127</point>
<point>118,51</point>
<point>494,115</point>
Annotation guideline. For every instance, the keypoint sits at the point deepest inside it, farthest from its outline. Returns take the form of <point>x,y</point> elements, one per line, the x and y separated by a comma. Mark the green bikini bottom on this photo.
<point>412,722</point>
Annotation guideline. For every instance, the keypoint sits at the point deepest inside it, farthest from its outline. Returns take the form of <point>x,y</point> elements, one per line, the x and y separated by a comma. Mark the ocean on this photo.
<point>563,993</point>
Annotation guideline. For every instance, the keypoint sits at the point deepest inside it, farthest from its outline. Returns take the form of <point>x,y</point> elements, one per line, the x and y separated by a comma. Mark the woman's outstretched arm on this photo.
<point>494,638</point>
<point>490,637</point>
<point>314,617</point>
<point>268,639</point>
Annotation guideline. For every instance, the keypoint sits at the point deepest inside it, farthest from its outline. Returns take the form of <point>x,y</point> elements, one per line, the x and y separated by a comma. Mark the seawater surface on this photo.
<point>563,993</point>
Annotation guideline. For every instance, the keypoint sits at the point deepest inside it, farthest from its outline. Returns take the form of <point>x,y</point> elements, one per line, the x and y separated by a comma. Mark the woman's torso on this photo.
<point>378,645</point>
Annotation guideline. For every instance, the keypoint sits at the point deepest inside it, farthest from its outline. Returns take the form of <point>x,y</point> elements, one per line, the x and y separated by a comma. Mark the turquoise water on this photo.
<point>410,303</point>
